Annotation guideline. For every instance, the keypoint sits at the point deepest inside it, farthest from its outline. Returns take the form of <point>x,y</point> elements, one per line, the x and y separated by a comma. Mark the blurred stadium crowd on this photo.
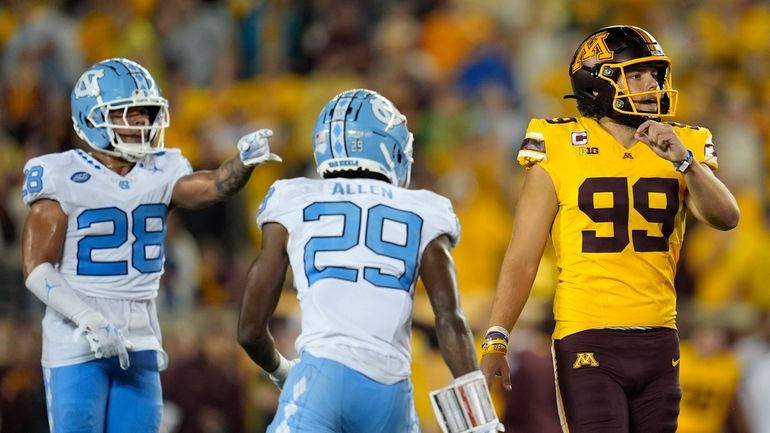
<point>468,75</point>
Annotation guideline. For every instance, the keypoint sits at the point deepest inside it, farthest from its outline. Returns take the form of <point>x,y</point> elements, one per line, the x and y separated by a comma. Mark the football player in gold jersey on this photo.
<point>611,187</point>
<point>710,376</point>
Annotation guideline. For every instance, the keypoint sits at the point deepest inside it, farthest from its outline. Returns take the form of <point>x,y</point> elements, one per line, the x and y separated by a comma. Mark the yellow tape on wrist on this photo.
<point>495,345</point>
<point>495,348</point>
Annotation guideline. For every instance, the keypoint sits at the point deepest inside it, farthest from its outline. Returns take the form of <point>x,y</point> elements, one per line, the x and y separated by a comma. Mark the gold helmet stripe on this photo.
<point>644,35</point>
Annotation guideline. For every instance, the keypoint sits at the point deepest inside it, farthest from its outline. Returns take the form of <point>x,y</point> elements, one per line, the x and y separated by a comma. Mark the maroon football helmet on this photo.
<point>598,74</point>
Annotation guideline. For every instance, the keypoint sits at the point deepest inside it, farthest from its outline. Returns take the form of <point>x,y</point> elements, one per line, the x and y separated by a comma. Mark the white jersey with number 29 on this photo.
<point>355,247</point>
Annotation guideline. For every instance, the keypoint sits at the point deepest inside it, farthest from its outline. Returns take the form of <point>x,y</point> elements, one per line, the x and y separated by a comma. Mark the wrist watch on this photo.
<point>683,165</point>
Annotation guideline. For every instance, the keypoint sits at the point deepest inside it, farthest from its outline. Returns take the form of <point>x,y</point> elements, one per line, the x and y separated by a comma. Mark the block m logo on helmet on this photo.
<point>594,47</point>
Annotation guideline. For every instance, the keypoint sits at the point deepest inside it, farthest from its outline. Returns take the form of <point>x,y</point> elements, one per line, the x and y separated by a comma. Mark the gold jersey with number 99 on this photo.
<point>620,222</point>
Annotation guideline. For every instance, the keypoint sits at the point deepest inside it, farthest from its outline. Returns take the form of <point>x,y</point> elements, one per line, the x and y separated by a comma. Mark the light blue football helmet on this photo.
<point>360,129</point>
<point>118,84</point>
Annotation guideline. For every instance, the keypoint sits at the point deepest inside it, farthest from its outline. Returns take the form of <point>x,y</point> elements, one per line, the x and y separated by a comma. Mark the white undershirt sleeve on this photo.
<point>49,286</point>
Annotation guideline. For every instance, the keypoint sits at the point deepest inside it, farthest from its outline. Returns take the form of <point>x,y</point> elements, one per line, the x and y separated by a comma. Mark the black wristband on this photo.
<point>684,165</point>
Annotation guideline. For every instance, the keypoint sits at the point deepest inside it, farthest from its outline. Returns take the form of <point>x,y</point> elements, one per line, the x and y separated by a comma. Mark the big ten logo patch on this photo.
<point>588,150</point>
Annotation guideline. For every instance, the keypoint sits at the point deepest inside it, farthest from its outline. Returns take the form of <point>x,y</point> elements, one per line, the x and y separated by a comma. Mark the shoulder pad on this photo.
<point>560,120</point>
<point>684,125</point>
<point>533,148</point>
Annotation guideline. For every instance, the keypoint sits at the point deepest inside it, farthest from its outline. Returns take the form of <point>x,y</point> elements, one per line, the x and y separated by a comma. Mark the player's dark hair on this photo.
<point>359,173</point>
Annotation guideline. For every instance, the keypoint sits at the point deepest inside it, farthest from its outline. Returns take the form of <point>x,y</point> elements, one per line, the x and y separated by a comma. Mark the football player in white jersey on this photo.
<point>356,241</point>
<point>92,247</point>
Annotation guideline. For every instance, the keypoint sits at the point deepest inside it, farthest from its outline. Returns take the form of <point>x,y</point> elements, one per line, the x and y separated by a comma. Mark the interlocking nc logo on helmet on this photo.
<point>594,47</point>
<point>88,84</point>
<point>385,112</point>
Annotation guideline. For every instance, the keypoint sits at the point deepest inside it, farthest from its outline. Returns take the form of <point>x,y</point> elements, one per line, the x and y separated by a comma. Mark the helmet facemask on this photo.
<point>151,135</point>
<point>625,103</point>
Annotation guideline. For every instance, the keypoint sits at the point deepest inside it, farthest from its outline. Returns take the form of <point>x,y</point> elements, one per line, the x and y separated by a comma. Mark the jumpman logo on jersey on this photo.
<point>154,167</point>
<point>49,286</point>
<point>151,167</point>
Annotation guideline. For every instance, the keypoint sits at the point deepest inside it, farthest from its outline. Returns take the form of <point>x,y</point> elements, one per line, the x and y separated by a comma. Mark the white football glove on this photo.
<point>105,339</point>
<point>279,375</point>
<point>254,148</point>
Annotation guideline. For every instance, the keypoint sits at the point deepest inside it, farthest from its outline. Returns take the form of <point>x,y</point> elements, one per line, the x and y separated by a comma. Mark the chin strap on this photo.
<point>391,165</point>
<point>632,121</point>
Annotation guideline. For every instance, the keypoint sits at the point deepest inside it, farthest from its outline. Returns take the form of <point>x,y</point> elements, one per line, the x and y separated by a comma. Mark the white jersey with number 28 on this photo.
<point>113,250</point>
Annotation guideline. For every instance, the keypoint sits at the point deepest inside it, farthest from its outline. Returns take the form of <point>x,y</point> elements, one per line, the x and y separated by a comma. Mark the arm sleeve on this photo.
<point>49,286</point>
